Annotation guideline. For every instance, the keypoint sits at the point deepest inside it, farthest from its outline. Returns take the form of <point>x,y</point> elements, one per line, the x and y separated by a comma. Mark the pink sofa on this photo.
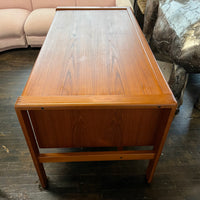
<point>26,22</point>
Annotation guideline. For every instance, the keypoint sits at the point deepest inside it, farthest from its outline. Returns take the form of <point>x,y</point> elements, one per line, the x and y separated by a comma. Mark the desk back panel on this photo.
<point>97,128</point>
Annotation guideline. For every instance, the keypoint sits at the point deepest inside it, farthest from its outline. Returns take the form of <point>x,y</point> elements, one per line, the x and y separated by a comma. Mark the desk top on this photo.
<point>95,57</point>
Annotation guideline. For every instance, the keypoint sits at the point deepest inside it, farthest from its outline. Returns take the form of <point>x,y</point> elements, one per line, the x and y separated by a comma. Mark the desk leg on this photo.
<point>161,137</point>
<point>33,147</point>
<point>151,169</point>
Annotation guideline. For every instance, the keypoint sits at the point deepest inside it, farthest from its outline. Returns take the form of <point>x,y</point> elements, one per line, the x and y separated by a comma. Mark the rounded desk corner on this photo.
<point>17,103</point>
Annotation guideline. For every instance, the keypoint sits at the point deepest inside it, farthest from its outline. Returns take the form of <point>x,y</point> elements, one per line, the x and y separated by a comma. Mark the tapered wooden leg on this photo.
<point>162,132</point>
<point>151,169</point>
<point>33,147</point>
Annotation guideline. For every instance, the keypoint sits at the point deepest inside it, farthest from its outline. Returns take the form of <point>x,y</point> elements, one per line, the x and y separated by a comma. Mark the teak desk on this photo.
<point>95,83</point>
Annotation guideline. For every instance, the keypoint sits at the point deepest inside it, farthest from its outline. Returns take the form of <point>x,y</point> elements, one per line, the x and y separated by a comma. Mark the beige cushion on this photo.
<point>123,3</point>
<point>12,22</point>
<point>95,3</point>
<point>23,4</point>
<point>12,43</point>
<point>52,3</point>
<point>39,21</point>
<point>35,41</point>
<point>37,25</point>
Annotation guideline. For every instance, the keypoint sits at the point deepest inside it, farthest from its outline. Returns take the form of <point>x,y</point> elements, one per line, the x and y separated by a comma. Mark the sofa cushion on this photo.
<point>124,3</point>
<point>37,25</point>
<point>12,43</point>
<point>95,2</point>
<point>23,4</point>
<point>52,3</point>
<point>12,22</point>
<point>39,21</point>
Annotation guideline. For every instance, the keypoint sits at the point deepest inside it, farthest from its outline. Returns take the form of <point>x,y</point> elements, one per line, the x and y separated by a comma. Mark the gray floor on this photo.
<point>177,176</point>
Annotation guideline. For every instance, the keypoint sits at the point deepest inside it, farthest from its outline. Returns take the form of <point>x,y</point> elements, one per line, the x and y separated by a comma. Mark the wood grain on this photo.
<point>96,128</point>
<point>97,156</point>
<point>107,58</point>
<point>96,102</point>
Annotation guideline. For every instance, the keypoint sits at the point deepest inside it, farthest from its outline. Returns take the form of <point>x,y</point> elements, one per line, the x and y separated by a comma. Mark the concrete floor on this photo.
<point>177,176</point>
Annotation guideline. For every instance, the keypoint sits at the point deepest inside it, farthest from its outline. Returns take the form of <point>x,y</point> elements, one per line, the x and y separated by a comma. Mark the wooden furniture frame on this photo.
<point>95,84</point>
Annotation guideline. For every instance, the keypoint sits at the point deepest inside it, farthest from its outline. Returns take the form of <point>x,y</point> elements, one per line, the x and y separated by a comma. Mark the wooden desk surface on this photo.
<point>97,57</point>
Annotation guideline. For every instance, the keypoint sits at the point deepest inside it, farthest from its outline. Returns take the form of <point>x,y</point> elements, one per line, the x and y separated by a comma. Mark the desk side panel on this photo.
<point>97,128</point>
